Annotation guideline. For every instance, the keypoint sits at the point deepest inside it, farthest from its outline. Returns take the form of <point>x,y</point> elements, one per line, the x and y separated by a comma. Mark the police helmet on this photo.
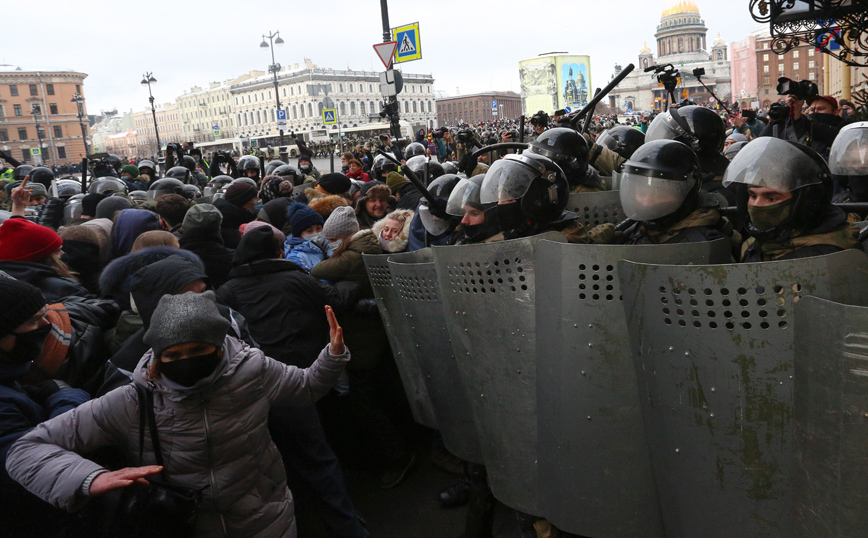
<point>192,192</point>
<point>73,209</point>
<point>533,180</point>
<point>67,188</point>
<point>698,127</point>
<point>289,172</point>
<point>21,171</point>
<point>248,162</point>
<point>733,150</point>
<point>622,140</point>
<point>105,185</point>
<point>167,185</point>
<point>271,166</point>
<point>147,164</point>
<point>42,175</point>
<point>848,159</point>
<point>139,197</point>
<point>567,148</point>
<point>449,167</point>
<point>218,183</point>
<point>181,173</point>
<point>658,179</point>
<point>414,149</point>
<point>440,188</point>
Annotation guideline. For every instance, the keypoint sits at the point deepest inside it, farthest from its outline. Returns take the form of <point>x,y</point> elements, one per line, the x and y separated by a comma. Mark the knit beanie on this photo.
<point>131,169</point>
<point>36,189</point>
<point>202,217</point>
<point>185,318</point>
<point>274,212</point>
<point>25,241</point>
<point>107,208</point>
<point>11,185</point>
<point>335,183</point>
<point>20,302</point>
<point>302,217</point>
<point>240,193</point>
<point>259,224</point>
<point>89,203</point>
<point>341,223</point>
<point>395,180</point>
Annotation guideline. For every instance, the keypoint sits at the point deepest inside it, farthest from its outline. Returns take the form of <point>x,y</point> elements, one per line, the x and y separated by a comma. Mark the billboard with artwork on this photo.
<point>553,82</point>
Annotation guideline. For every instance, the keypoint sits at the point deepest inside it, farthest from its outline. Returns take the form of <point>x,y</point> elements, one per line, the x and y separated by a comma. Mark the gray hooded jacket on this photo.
<point>212,434</point>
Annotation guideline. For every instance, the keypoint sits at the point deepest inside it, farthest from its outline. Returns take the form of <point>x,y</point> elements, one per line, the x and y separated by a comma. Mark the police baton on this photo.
<point>437,207</point>
<point>521,129</point>
<point>590,115</point>
<point>498,146</point>
<point>575,117</point>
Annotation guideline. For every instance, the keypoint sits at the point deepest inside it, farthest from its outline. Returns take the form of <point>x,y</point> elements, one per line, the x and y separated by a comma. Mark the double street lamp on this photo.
<point>79,100</point>
<point>274,68</point>
<point>147,80</point>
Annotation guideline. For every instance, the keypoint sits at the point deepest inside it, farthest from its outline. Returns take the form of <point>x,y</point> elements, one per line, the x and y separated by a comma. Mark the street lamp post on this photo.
<point>274,68</point>
<point>36,110</point>
<point>79,100</point>
<point>147,80</point>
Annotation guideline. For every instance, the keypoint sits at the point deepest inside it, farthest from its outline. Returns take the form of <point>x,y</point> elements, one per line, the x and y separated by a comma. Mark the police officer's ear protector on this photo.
<point>679,124</point>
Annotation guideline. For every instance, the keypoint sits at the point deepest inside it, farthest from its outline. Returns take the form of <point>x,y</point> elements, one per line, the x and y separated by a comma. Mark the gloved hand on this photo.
<point>40,392</point>
<point>605,234</point>
<point>366,307</point>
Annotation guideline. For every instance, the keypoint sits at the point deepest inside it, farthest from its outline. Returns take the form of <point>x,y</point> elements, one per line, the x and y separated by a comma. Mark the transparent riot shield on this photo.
<point>831,416</point>
<point>595,208</point>
<point>713,351</point>
<point>420,306</point>
<point>401,339</point>
<point>594,466</point>
<point>488,292</point>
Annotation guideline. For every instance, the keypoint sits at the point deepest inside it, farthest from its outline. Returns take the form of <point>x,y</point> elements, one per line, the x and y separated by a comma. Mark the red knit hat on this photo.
<point>25,241</point>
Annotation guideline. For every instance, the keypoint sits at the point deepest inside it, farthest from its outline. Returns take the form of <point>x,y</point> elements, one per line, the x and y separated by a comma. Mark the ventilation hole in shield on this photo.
<point>709,302</point>
<point>482,290</point>
<point>678,301</point>
<point>780,301</point>
<point>730,325</point>
<point>782,313</point>
<point>582,276</point>
<point>477,264</point>
<point>511,279</point>
<point>500,281</point>
<point>712,324</point>
<point>676,291</point>
<point>609,268</point>
<point>763,314</point>
<point>581,267</point>
<point>596,287</point>
<point>524,287</point>
<point>519,269</point>
<point>488,272</point>
<point>746,325</point>
<point>711,313</point>
<point>778,289</point>
<point>667,321</point>
<point>707,291</point>
<point>691,291</point>
<point>662,289</point>
<point>764,325</point>
<point>682,323</point>
<point>582,296</point>
<point>797,288</point>
<point>595,277</point>
<point>505,262</point>
<point>496,263</point>
<point>609,297</point>
<point>761,302</point>
<point>695,313</point>
<point>697,324</point>
<point>680,312</point>
<point>724,291</point>
<point>492,290</point>
<point>666,311</point>
<point>796,299</point>
<point>760,290</point>
<point>522,278</point>
<point>745,314</point>
<point>727,314</point>
<point>783,324</point>
<point>596,297</point>
<point>474,290</point>
<point>596,267</point>
<point>726,303</point>
<point>664,300</point>
<point>609,287</point>
<point>610,277</point>
<point>743,302</point>
<point>582,286</point>
<point>742,291</point>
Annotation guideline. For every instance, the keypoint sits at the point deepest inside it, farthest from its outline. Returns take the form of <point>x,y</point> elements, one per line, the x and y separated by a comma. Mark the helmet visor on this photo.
<point>607,140</point>
<point>465,193</point>
<point>646,198</point>
<point>508,179</point>
<point>773,164</point>
<point>664,127</point>
<point>849,154</point>
<point>433,225</point>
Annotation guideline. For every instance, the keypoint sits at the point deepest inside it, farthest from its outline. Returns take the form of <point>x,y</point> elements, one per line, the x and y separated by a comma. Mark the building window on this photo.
<point>795,66</point>
<point>52,107</point>
<point>812,75</point>
<point>13,90</point>
<point>78,89</point>
<point>795,54</point>
<point>414,106</point>
<point>34,91</point>
<point>4,135</point>
<point>340,87</point>
<point>351,88</point>
<point>765,46</point>
<point>430,106</point>
<point>49,89</point>
<point>765,57</point>
<point>370,88</point>
<point>781,68</point>
<point>811,64</point>
<point>22,133</point>
<point>294,112</point>
<point>406,107</point>
<point>766,80</point>
<point>25,154</point>
<point>810,52</point>
<point>362,110</point>
<point>61,153</point>
<point>343,109</point>
<point>58,131</point>
<point>17,110</point>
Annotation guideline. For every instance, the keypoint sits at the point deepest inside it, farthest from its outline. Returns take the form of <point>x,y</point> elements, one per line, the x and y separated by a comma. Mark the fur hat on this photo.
<point>378,191</point>
<point>399,244</point>
<point>325,205</point>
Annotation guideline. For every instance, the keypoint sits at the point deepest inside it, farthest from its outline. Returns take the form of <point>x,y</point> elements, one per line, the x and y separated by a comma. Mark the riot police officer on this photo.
<point>622,140</point>
<point>849,164</point>
<point>478,220</point>
<point>248,166</point>
<point>569,150</point>
<point>427,227</point>
<point>784,193</point>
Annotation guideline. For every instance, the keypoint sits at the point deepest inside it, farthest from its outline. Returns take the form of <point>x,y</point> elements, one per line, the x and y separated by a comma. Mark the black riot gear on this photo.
<point>440,188</point>
<point>698,127</point>
<point>567,148</point>
<point>188,162</point>
<point>167,185</point>
<point>848,160</point>
<point>67,188</point>
<point>271,166</point>
<point>192,192</point>
<point>467,194</point>
<point>785,167</point>
<point>289,172</point>
<point>660,183</point>
<point>105,185</point>
<point>622,140</point>
<point>535,182</point>
<point>418,165</point>
<point>21,171</point>
<point>181,173</point>
<point>148,165</point>
<point>42,175</point>
<point>414,149</point>
<point>247,163</point>
<point>218,183</point>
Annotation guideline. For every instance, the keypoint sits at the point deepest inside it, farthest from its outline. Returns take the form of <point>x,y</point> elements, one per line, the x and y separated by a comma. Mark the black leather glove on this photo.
<point>366,307</point>
<point>40,392</point>
<point>52,213</point>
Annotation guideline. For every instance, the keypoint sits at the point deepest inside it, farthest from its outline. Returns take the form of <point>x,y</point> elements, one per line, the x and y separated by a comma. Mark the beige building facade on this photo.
<point>168,123</point>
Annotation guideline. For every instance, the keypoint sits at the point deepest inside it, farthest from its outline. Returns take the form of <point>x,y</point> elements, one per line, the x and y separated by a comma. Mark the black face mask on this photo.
<point>510,216</point>
<point>824,118</point>
<point>27,347</point>
<point>188,372</point>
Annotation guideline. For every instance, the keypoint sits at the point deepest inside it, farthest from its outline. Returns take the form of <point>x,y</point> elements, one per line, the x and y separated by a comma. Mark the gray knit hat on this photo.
<point>107,208</point>
<point>37,189</point>
<point>341,223</point>
<point>189,317</point>
<point>202,217</point>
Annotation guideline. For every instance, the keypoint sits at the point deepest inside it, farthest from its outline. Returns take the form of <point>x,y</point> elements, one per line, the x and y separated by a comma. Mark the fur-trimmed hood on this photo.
<point>116,278</point>
<point>399,244</point>
<point>325,205</point>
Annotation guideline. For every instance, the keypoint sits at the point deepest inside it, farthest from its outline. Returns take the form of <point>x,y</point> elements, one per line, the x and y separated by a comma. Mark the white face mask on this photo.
<point>334,245</point>
<point>316,238</point>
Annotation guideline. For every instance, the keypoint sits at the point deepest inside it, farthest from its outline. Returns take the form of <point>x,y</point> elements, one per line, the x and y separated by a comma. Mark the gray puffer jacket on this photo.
<point>213,434</point>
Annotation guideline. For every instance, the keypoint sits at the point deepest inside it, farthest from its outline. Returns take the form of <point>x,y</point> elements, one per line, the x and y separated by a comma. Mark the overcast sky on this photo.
<point>472,45</point>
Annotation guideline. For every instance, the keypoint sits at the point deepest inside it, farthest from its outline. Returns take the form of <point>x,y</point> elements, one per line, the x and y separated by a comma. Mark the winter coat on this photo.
<point>365,333</point>
<point>54,287</point>
<point>284,307</point>
<point>304,253</point>
<point>233,217</point>
<point>399,244</point>
<point>209,247</point>
<point>419,238</point>
<point>359,176</point>
<point>408,197</point>
<point>213,434</point>
<point>129,225</point>
<point>117,276</point>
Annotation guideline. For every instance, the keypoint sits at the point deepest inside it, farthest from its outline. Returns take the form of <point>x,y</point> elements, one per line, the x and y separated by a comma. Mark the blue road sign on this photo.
<point>568,109</point>
<point>494,105</point>
<point>409,44</point>
<point>281,116</point>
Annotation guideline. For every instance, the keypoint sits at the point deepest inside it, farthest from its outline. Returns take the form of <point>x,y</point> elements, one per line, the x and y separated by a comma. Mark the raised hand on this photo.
<point>336,334</point>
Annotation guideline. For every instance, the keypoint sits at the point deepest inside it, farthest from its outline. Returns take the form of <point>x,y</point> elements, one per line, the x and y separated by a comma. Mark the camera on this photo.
<point>802,90</point>
<point>699,72</point>
<point>748,114</point>
<point>779,111</point>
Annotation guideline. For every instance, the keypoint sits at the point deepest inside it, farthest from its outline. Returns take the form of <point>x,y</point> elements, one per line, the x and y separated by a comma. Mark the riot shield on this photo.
<point>420,307</point>
<point>594,466</point>
<point>401,339</point>
<point>713,352</point>
<point>595,208</point>
<point>298,190</point>
<point>488,293</point>
<point>831,416</point>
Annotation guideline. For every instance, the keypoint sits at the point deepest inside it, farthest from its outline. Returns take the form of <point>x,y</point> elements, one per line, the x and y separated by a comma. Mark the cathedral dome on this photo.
<point>674,7</point>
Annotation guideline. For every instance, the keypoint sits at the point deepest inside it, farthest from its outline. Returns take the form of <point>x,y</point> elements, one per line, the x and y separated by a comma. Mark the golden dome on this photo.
<point>673,7</point>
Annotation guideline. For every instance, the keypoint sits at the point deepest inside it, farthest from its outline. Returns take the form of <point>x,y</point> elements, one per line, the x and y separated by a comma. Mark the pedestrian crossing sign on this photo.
<point>329,116</point>
<point>35,152</point>
<point>409,44</point>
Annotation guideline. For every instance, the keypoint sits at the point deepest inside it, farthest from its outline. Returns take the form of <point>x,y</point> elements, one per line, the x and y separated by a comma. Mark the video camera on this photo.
<point>668,76</point>
<point>802,90</point>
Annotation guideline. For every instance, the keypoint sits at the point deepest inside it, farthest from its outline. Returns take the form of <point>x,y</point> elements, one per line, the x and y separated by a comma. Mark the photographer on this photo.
<point>826,122</point>
<point>387,145</point>
<point>748,124</point>
<point>223,158</point>
<point>795,126</point>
